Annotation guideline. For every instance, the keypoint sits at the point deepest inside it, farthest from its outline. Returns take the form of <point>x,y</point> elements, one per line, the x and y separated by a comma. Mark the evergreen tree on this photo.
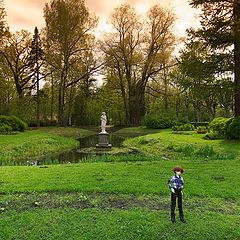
<point>220,20</point>
<point>3,25</point>
<point>36,61</point>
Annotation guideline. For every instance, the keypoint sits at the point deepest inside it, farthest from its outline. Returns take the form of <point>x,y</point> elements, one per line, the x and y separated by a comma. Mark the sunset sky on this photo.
<point>26,14</point>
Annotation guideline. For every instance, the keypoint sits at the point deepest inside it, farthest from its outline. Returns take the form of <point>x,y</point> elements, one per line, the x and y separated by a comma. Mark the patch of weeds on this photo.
<point>187,150</point>
<point>143,141</point>
<point>218,178</point>
<point>224,156</point>
<point>182,132</point>
<point>82,197</point>
<point>170,146</point>
<point>205,151</point>
<point>208,152</point>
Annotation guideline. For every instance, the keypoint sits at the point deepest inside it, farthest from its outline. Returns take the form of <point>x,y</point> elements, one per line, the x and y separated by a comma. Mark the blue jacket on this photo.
<point>175,182</point>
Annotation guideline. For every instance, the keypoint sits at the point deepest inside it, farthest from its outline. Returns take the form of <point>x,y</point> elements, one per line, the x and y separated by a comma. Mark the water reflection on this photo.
<point>70,156</point>
<point>92,140</point>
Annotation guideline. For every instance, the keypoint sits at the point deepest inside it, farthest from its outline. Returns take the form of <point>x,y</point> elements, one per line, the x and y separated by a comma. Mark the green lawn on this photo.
<point>38,142</point>
<point>116,224</point>
<point>125,198</point>
<point>180,146</point>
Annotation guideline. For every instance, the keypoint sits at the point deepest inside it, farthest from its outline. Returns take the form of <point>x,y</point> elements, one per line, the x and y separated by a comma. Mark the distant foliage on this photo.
<point>233,128</point>
<point>184,127</point>
<point>43,123</point>
<point>198,124</point>
<point>157,122</point>
<point>11,123</point>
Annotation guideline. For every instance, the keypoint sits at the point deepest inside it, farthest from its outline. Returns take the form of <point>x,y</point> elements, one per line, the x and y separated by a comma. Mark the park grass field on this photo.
<point>39,142</point>
<point>126,198</point>
<point>190,146</point>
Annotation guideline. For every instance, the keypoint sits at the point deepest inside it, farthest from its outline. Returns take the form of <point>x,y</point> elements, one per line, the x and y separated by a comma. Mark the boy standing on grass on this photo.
<point>175,184</point>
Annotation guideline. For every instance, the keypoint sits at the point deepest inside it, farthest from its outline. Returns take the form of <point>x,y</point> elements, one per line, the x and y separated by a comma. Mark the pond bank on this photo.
<point>57,145</point>
<point>40,142</point>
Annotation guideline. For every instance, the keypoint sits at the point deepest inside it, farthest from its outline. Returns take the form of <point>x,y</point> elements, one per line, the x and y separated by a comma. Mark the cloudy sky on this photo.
<point>26,14</point>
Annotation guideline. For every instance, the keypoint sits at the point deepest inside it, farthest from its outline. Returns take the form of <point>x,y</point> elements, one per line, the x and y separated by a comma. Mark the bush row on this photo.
<point>163,122</point>
<point>218,128</point>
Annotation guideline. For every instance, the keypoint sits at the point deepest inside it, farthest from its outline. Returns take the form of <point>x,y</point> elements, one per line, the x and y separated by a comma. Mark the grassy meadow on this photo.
<point>126,197</point>
<point>39,142</point>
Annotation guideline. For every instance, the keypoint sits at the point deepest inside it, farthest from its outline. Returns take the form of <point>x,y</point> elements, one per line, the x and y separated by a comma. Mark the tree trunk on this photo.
<point>186,104</point>
<point>70,105</point>
<point>52,99</point>
<point>165,97</point>
<point>123,91</point>
<point>227,112</point>
<point>236,12</point>
<point>18,87</point>
<point>197,109</point>
<point>136,106</point>
<point>177,105</point>
<point>38,98</point>
<point>61,118</point>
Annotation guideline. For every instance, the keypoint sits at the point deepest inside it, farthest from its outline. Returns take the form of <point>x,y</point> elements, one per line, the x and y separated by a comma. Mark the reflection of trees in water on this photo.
<point>70,156</point>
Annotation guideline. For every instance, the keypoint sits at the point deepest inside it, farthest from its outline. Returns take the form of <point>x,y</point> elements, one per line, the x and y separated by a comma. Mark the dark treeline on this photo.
<point>52,75</point>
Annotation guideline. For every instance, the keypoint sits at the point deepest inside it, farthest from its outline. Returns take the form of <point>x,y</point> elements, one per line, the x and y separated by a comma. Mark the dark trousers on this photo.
<point>174,197</point>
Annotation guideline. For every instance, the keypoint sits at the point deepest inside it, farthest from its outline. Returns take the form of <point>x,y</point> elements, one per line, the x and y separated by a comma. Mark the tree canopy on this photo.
<point>220,29</point>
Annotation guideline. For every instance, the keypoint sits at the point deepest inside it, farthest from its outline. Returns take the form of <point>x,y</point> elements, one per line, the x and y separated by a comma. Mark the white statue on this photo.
<point>103,122</point>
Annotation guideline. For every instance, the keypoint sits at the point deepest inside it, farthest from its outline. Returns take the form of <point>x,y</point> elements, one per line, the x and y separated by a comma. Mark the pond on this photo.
<point>69,156</point>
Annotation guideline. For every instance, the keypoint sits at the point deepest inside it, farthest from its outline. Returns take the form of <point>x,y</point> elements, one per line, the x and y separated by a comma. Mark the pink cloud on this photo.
<point>26,14</point>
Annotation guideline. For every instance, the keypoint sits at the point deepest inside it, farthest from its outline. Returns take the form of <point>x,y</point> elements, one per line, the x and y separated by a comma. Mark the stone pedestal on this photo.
<point>103,143</point>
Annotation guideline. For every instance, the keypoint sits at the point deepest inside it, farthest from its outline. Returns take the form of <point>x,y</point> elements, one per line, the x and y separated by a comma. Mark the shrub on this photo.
<point>188,127</point>
<point>219,125</point>
<point>5,129</point>
<point>233,128</point>
<point>158,122</point>
<point>197,124</point>
<point>185,127</point>
<point>17,124</point>
<point>175,128</point>
<point>202,129</point>
<point>213,136</point>
<point>14,122</point>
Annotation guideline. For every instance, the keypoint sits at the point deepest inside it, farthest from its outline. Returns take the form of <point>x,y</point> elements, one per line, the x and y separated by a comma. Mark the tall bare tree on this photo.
<point>15,50</point>
<point>137,51</point>
<point>68,26</point>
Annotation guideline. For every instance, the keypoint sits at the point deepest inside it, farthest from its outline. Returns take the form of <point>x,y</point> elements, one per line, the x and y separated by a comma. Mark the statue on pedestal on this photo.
<point>103,143</point>
<point>103,122</point>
